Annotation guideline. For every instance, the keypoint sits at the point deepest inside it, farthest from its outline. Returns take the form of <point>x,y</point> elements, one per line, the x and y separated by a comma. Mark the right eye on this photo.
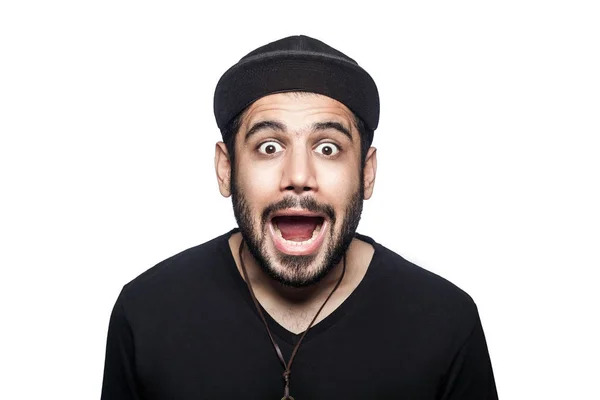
<point>270,148</point>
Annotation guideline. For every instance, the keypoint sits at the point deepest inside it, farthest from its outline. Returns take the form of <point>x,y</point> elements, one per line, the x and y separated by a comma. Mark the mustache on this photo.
<point>305,203</point>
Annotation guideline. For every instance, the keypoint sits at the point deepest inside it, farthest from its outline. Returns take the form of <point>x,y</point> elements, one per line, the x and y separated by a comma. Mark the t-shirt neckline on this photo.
<point>324,325</point>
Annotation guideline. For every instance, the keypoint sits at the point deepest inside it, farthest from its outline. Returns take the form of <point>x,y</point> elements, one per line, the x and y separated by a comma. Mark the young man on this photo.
<point>294,303</point>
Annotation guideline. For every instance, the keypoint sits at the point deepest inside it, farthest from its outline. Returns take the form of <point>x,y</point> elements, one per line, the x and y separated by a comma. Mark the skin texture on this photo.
<point>298,159</point>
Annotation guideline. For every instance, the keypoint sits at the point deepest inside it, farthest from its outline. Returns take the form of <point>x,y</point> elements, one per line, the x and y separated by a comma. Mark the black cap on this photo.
<point>296,63</point>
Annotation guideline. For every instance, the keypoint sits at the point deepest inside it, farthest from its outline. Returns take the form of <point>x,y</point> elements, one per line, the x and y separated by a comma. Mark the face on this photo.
<point>297,186</point>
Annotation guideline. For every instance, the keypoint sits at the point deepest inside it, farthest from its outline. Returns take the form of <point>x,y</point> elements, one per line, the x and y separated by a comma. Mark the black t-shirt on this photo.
<point>187,329</point>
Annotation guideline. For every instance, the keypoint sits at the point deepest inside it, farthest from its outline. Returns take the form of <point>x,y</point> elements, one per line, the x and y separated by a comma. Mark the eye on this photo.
<point>328,149</point>
<point>270,148</point>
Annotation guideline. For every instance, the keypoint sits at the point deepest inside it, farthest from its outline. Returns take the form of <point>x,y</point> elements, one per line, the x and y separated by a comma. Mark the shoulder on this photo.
<point>192,269</point>
<point>409,288</point>
<point>409,274</point>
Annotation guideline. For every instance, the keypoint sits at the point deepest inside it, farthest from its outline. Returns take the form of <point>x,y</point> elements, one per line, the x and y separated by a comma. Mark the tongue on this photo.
<point>297,229</point>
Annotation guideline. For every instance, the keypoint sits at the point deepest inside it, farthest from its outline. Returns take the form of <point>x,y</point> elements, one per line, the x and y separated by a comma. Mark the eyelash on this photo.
<point>267,142</point>
<point>333,145</point>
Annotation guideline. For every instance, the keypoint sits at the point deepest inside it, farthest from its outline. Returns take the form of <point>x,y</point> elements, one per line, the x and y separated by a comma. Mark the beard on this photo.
<point>297,269</point>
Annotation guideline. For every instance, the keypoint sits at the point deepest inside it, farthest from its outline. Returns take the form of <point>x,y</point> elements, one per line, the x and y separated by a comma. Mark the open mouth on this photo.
<point>297,233</point>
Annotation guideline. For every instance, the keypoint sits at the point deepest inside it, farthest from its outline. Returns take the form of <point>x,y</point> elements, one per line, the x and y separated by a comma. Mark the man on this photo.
<point>295,303</point>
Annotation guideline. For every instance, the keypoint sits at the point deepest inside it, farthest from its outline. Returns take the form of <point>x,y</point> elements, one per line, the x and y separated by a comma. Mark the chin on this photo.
<point>299,271</point>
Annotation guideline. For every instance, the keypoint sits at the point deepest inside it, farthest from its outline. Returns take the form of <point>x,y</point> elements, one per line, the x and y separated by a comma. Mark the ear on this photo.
<point>370,171</point>
<point>223,169</point>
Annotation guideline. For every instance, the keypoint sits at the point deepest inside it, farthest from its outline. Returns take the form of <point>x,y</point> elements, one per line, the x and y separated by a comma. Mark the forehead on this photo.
<point>298,109</point>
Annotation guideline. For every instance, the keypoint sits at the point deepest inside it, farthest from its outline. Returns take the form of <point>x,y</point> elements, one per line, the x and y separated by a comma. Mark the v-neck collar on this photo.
<point>325,324</point>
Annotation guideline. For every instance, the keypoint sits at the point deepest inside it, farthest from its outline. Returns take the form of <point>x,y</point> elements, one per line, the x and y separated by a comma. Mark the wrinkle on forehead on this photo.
<point>297,107</point>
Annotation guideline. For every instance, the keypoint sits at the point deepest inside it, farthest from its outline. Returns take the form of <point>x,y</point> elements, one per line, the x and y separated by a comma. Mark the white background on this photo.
<point>488,166</point>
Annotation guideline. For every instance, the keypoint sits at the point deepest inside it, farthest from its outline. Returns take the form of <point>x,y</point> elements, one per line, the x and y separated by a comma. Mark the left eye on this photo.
<point>327,149</point>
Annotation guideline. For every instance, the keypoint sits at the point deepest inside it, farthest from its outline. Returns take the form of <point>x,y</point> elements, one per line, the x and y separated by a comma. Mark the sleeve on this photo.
<point>470,376</point>
<point>119,381</point>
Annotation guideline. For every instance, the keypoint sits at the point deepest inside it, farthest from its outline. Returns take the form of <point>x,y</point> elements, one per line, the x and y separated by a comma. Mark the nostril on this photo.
<point>294,188</point>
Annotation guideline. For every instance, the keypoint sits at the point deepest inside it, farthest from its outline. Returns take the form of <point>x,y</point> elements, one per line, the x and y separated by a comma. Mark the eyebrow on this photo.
<point>274,125</point>
<point>323,126</point>
<point>278,126</point>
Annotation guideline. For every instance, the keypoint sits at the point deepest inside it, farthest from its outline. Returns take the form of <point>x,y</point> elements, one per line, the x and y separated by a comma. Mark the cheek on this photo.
<point>337,184</point>
<point>259,184</point>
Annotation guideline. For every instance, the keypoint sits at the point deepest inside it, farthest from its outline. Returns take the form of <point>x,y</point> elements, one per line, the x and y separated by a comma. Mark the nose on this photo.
<point>299,173</point>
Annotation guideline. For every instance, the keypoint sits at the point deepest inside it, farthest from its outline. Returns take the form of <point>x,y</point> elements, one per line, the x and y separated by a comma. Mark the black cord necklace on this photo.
<point>287,366</point>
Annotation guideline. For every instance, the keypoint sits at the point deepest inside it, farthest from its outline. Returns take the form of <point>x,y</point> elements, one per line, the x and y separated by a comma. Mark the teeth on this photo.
<point>293,243</point>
